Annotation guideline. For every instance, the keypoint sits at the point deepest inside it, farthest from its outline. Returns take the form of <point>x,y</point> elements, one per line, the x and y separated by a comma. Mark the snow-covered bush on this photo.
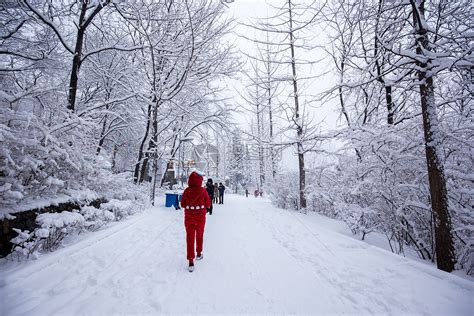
<point>95,218</point>
<point>55,226</point>
<point>25,245</point>
<point>386,190</point>
<point>120,209</point>
<point>33,161</point>
<point>285,191</point>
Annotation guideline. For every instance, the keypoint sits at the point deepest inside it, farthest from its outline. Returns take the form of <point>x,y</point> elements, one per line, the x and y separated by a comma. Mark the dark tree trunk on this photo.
<point>270,117</point>
<point>114,157</point>
<point>388,99</point>
<point>299,128</point>
<point>76,61</point>
<point>142,146</point>
<point>152,144</point>
<point>444,245</point>
<point>260,148</point>
<point>77,58</point>
<point>379,67</point>
<point>102,138</point>
<point>102,132</point>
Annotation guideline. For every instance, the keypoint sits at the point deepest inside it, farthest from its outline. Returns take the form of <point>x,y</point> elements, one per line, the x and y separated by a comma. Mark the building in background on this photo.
<point>206,158</point>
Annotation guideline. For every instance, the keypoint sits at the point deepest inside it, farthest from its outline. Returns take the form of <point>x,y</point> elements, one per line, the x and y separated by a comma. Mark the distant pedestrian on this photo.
<point>210,191</point>
<point>246,193</point>
<point>195,200</point>
<point>221,193</point>
<point>216,193</point>
<point>256,192</point>
<point>261,193</point>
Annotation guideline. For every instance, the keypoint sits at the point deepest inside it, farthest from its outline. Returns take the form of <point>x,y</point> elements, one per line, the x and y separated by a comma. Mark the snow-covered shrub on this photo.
<point>466,257</point>
<point>118,186</point>
<point>360,221</point>
<point>120,209</point>
<point>285,191</point>
<point>33,161</point>
<point>26,244</point>
<point>95,218</point>
<point>55,226</point>
<point>386,190</point>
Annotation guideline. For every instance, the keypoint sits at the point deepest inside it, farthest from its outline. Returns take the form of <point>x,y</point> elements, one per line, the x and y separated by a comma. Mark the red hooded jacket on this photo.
<point>195,198</point>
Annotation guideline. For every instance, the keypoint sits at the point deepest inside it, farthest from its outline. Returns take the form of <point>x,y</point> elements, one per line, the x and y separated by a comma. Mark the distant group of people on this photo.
<point>197,202</point>
<point>256,193</point>
<point>218,196</point>
<point>216,193</point>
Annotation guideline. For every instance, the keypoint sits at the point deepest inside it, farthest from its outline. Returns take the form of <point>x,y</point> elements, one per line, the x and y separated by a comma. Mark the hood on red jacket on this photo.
<point>195,180</point>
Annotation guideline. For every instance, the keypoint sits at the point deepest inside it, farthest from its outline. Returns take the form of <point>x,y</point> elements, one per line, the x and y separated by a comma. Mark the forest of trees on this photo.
<point>90,81</point>
<point>95,93</point>
<point>403,77</point>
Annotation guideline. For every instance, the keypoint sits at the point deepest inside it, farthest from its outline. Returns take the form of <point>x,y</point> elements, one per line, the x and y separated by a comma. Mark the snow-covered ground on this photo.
<point>257,259</point>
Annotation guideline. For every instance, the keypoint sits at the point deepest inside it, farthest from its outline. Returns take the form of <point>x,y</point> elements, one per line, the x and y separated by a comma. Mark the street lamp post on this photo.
<point>181,158</point>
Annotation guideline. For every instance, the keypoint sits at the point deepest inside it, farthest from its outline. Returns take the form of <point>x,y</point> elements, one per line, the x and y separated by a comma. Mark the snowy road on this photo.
<point>257,259</point>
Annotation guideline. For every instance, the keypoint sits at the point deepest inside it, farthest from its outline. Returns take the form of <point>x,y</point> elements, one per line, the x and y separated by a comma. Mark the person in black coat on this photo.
<point>221,193</point>
<point>210,191</point>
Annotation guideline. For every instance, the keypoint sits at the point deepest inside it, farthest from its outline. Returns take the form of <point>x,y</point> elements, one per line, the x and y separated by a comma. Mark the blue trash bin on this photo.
<point>172,199</point>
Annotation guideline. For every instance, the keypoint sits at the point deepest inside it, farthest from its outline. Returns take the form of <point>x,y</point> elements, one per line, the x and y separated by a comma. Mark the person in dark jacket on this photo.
<point>195,200</point>
<point>221,193</point>
<point>210,191</point>
<point>216,193</point>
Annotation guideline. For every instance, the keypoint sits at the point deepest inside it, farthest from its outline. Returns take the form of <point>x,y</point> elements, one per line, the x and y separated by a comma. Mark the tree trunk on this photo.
<point>380,78</point>
<point>444,245</point>
<point>272,150</point>
<point>102,137</point>
<point>260,149</point>
<point>388,99</point>
<point>299,128</point>
<point>114,157</point>
<point>445,257</point>
<point>142,146</point>
<point>152,144</point>
<point>270,110</point>
<point>76,61</point>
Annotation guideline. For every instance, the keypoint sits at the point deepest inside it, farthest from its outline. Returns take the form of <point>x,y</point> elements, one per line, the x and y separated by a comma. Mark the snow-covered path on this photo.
<point>257,259</point>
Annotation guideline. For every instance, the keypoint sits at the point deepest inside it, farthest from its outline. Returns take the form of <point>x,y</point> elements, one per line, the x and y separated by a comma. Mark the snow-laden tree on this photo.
<point>86,85</point>
<point>182,53</point>
<point>288,35</point>
<point>49,116</point>
<point>402,82</point>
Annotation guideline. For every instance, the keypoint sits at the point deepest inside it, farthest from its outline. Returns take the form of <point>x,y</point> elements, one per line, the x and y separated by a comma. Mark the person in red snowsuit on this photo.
<point>195,201</point>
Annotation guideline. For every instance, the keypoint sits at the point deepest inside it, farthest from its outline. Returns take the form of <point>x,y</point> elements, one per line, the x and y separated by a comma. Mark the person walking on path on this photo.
<point>195,201</point>
<point>246,193</point>
<point>210,191</point>
<point>216,193</point>
<point>221,193</point>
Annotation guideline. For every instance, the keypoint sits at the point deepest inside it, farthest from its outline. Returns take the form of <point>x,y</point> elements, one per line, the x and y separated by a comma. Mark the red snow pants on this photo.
<point>194,222</point>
